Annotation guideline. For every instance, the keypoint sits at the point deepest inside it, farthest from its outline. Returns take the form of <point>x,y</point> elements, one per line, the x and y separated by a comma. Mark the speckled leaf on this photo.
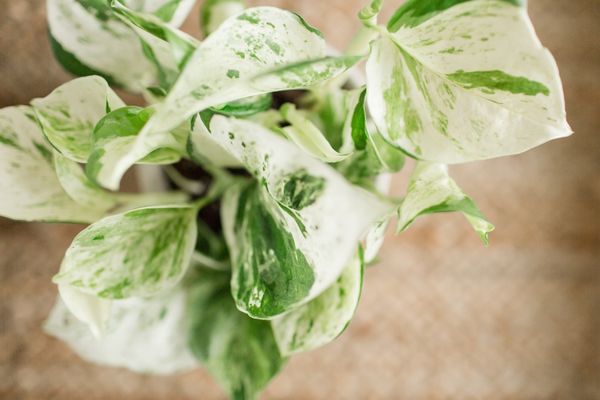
<point>318,209</point>
<point>144,335</point>
<point>29,188</point>
<point>252,45</point>
<point>137,253</point>
<point>113,138</point>
<point>322,319</point>
<point>150,28</point>
<point>88,38</point>
<point>431,190</point>
<point>239,351</point>
<point>214,12</point>
<point>68,114</point>
<point>471,81</point>
<point>273,39</point>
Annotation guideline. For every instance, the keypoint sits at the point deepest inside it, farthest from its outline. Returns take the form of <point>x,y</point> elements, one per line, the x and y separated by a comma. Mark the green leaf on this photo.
<point>308,137</point>
<point>325,216</point>
<point>239,351</point>
<point>245,107</point>
<point>88,39</point>
<point>68,114</point>
<point>30,189</point>
<point>146,335</point>
<point>323,319</point>
<point>113,138</point>
<point>214,12</point>
<point>358,123</point>
<point>138,253</point>
<point>430,191</point>
<point>374,156</point>
<point>469,82</point>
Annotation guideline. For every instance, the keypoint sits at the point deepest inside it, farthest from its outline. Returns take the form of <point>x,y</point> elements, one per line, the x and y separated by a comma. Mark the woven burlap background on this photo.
<point>442,317</point>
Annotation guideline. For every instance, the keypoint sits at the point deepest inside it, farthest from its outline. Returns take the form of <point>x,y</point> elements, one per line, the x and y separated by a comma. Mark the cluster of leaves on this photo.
<point>150,286</point>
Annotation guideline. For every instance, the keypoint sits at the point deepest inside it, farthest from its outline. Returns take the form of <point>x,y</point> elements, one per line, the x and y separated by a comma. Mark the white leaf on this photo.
<point>143,335</point>
<point>431,190</point>
<point>68,114</point>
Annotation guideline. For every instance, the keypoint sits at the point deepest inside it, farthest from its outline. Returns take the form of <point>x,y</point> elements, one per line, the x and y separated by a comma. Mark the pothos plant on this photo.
<point>151,285</point>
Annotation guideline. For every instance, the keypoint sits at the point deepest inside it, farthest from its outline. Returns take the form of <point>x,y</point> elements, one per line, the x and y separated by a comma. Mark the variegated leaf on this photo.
<point>114,136</point>
<point>138,253</point>
<point>144,335</point>
<point>239,351</point>
<point>262,62</point>
<point>322,319</point>
<point>306,204</point>
<point>88,39</point>
<point>68,114</point>
<point>464,80</point>
<point>29,188</point>
<point>150,28</point>
<point>431,190</point>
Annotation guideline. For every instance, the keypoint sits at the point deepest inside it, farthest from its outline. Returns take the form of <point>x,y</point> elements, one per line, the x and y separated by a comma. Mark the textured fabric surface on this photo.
<point>441,317</point>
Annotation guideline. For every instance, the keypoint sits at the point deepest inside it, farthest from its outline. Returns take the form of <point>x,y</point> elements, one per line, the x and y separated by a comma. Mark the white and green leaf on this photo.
<point>464,80</point>
<point>146,335</point>
<point>88,39</point>
<point>322,319</point>
<point>239,351</point>
<point>274,55</point>
<point>431,190</point>
<point>150,28</point>
<point>29,187</point>
<point>68,114</point>
<point>317,216</point>
<point>135,254</point>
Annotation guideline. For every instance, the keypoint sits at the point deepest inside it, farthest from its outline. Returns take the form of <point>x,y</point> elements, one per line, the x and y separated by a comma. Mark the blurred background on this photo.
<point>441,316</point>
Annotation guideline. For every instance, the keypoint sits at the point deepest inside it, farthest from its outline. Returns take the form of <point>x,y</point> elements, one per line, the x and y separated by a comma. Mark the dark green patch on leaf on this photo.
<point>415,12</point>
<point>301,189</point>
<point>270,274</point>
<point>499,80</point>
